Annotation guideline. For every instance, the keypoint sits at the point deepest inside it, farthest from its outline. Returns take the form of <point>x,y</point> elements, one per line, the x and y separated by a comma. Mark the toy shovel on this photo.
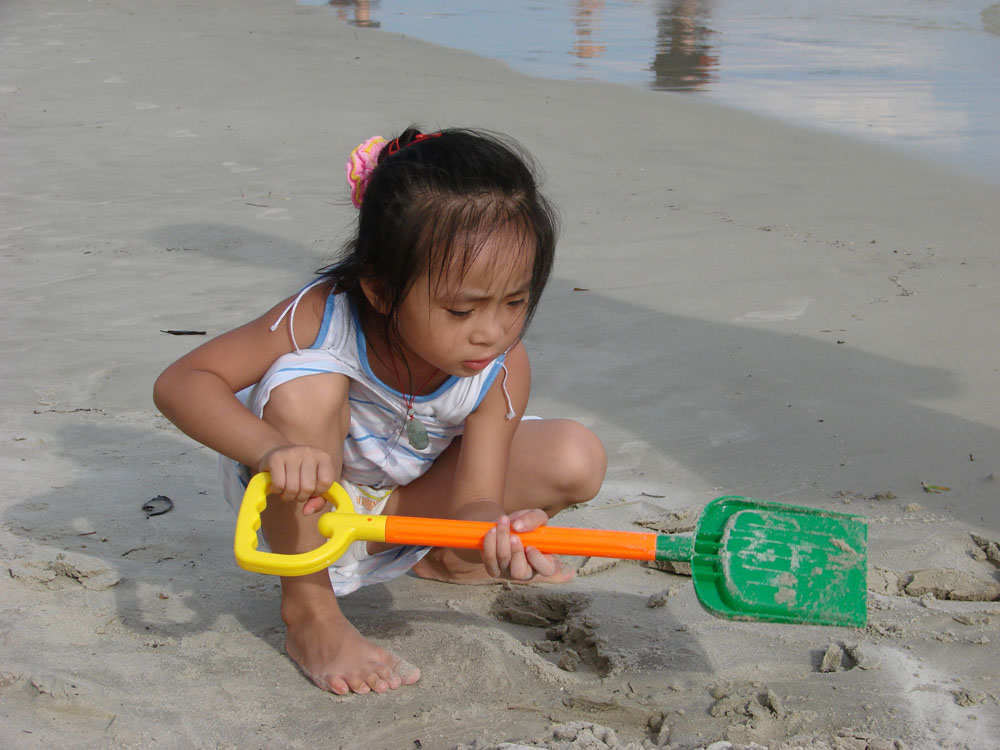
<point>750,560</point>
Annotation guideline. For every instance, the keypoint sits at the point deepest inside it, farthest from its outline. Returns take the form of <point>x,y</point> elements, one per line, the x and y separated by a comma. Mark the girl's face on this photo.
<point>459,323</point>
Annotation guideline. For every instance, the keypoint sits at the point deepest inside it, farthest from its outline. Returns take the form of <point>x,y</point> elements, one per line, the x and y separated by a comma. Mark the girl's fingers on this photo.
<point>298,472</point>
<point>325,474</point>
<point>541,563</point>
<point>528,520</point>
<point>520,568</point>
<point>313,505</point>
<point>291,485</point>
<point>490,554</point>
<point>307,480</point>
<point>277,480</point>
<point>503,548</point>
<point>504,554</point>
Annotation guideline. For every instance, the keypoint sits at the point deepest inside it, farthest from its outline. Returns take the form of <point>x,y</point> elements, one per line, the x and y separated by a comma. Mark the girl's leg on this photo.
<point>553,464</point>
<point>327,647</point>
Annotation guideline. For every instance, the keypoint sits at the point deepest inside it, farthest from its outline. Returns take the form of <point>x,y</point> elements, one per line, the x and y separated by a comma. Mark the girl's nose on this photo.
<point>489,331</point>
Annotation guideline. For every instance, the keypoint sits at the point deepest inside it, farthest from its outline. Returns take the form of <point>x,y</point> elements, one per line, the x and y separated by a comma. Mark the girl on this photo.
<point>399,373</point>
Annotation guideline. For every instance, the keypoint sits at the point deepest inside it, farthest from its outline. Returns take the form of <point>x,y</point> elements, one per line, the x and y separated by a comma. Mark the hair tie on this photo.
<point>364,159</point>
<point>360,166</point>
<point>394,145</point>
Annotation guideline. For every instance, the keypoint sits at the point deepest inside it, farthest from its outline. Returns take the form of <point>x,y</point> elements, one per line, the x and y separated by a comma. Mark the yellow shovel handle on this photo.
<point>341,527</point>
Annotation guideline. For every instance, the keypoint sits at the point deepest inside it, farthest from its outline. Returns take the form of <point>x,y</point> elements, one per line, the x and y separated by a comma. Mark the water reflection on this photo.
<point>585,13</point>
<point>683,56</point>
<point>361,15</point>
<point>684,59</point>
<point>916,74</point>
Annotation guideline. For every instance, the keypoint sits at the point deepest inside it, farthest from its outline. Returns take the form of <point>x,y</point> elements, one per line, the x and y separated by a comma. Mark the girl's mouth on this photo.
<point>477,364</point>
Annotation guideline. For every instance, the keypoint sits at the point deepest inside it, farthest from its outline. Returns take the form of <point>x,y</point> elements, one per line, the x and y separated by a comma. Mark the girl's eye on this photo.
<point>460,313</point>
<point>516,303</point>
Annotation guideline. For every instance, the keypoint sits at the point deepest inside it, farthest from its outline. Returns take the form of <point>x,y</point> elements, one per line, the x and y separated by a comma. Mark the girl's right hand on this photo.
<point>504,555</point>
<point>299,473</point>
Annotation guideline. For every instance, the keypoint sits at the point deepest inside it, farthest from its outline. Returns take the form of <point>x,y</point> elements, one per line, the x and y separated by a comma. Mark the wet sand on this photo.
<point>739,307</point>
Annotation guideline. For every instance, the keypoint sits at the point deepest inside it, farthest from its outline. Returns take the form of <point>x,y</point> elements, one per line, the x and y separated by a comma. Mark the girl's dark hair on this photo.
<point>431,205</point>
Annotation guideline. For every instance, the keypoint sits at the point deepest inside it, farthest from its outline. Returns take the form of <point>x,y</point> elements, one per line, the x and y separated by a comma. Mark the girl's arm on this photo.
<point>480,477</point>
<point>198,391</point>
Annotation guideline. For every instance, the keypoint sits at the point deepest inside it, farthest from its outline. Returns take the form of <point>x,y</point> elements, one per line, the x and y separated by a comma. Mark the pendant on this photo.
<point>416,433</point>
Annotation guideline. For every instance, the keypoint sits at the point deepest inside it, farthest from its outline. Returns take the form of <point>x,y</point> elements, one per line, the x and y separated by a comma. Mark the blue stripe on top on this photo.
<point>324,326</point>
<point>494,369</point>
<point>363,358</point>
<point>368,402</point>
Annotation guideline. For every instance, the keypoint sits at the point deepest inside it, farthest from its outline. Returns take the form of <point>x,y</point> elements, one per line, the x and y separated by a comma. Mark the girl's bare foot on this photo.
<point>444,565</point>
<point>333,654</point>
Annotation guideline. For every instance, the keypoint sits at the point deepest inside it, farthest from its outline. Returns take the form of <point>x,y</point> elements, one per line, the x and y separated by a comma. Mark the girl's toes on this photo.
<point>377,683</point>
<point>407,672</point>
<point>359,686</point>
<point>338,686</point>
<point>387,678</point>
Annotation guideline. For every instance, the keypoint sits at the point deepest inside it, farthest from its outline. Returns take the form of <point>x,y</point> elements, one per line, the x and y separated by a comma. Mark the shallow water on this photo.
<point>920,75</point>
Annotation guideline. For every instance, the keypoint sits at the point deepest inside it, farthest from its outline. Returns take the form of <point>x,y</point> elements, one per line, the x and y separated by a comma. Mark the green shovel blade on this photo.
<point>779,563</point>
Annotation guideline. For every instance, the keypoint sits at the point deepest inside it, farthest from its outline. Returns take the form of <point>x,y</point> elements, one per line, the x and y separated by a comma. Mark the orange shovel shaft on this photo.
<point>553,540</point>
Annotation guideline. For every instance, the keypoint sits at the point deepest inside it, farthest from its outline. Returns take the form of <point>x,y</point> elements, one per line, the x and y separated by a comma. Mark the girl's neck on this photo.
<point>398,367</point>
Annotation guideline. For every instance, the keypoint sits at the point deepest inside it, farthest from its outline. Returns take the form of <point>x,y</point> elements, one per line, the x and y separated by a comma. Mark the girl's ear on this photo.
<point>373,294</point>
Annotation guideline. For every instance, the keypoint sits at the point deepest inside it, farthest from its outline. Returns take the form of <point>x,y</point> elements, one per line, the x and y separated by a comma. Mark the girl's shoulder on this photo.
<point>305,314</point>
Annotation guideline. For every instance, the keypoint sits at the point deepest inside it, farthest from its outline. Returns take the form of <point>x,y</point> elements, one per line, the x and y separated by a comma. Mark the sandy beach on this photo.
<point>739,307</point>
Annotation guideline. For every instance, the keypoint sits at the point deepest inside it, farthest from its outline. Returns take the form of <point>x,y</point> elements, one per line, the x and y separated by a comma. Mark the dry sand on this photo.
<point>739,307</point>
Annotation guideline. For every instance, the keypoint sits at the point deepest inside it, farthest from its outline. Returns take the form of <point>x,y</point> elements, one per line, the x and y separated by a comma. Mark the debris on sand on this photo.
<point>833,659</point>
<point>759,715</point>
<point>674,522</point>
<point>660,599</point>
<point>865,656</point>
<point>883,581</point>
<point>841,657</point>
<point>957,585</point>
<point>990,550</point>
<point>575,735</point>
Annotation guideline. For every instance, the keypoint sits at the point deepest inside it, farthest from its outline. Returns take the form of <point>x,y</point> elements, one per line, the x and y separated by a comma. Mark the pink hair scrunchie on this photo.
<point>362,163</point>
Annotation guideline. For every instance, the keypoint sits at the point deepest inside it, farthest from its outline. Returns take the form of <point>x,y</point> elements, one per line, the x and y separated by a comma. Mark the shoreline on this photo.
<point>738,307</point>
<point>917,97</point>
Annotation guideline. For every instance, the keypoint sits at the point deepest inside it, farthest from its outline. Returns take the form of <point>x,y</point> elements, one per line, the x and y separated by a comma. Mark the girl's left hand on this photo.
<point>505,556</point>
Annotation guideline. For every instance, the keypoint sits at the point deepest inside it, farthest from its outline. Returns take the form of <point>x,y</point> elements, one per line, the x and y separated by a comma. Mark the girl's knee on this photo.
<point>580,462</point>
<point>317,400</point>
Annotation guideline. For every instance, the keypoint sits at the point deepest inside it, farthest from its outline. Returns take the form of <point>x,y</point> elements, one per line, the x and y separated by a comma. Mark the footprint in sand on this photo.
<point>56,697</point>
<point>237,168</point>
<point>274,214</point>
<point>794,308</point>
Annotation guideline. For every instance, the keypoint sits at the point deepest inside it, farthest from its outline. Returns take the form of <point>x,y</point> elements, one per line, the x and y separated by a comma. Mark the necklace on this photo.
<point>416,431</point>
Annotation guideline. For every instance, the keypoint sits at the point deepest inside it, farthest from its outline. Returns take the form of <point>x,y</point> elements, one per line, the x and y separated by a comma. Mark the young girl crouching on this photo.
<point>399,373</point>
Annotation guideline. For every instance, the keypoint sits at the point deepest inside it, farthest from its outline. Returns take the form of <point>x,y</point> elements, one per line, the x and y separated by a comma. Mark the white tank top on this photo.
<point>376,451</point>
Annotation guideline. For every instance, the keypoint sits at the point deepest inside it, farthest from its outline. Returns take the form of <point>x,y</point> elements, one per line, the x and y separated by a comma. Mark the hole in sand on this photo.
<point>570,638</point>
